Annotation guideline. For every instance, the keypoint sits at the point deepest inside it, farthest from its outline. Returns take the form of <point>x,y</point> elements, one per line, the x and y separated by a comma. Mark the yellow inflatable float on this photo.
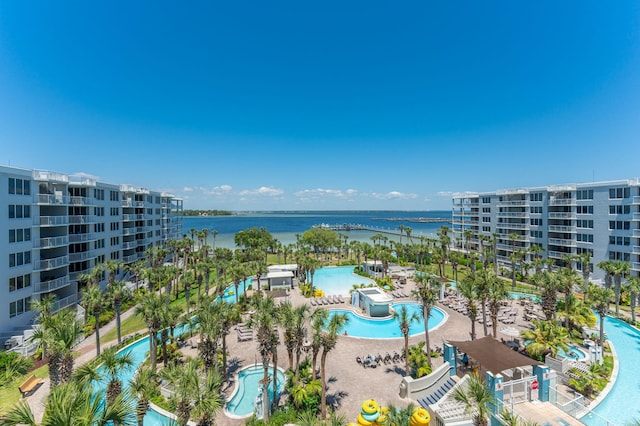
<point>372,414</point>
<point>420,417</point>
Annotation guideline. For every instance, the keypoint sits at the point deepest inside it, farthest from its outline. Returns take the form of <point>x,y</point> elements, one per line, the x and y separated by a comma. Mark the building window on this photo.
<point>617,193</point>
<point>19,259</point>
<point>619,224</point>
<point>98,194</point>
<point>114,196</point>
<point>620,209</point>
<point>19,235</point>
<point>114,211</point>
<point>98,211</point>
<point>618,255</point>
<point>535,196</point>
<point>17,211</point>
<point>585,209</point>
<point>585,238</point>
<point>19,307</point>
<point>536,234</point>
<point>486,229</point>
<point>581,223</point>
<point>98,227</point>
<point>19,282</point>
<point>584,194</point>
<point>115,226</point>
<point>486,200</point>
<point>536,209</point>
<point>536,221</point>
<point>19,186</point>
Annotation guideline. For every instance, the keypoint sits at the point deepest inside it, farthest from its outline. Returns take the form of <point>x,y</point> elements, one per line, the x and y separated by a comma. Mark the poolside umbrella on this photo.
<point>510,331</point>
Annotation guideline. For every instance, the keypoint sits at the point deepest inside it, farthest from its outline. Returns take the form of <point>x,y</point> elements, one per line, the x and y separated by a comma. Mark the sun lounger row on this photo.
<point>327,300</point>
<point>438,394</point>
<point>244,333</point>
<point>399,293</point>
<point>373,361</point>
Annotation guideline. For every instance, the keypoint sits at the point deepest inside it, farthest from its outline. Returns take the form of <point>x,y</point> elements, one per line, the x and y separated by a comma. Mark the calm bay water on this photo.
<point>285,225</point>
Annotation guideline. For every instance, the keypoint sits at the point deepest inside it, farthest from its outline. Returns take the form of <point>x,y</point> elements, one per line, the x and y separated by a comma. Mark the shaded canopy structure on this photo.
<point>493,355</point>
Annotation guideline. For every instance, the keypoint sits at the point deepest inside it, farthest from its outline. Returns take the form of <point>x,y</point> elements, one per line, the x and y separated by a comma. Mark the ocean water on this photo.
<point>284,226</point>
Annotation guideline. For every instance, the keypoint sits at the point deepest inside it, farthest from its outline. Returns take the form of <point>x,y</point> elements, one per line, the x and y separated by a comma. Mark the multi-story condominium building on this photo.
<point>57,226</point>
<point>601,219</point>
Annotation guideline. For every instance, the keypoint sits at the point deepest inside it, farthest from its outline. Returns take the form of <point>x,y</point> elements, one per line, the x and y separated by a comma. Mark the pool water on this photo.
<point>579,354</point>
<point>515,295</point>
<point>338,280</point>
<point>388,328</point>
<point>242,401</point>
<point>618,406</point>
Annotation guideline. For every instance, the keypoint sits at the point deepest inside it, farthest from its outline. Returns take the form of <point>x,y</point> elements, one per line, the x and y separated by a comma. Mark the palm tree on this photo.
<point>115,362</point>
<point>74,403</point>
<point>400,416</point>
<point>585,262</point>
<point>477,399</point>
<point>546,337</point>
<point>149,307</point>
<point>194,392</point>
<point>620,270</point>
<point>607,267</point>
<point>633,286</point>
<point>600,298</point>
<point>496,293</point>
<point>118,292</point>
<point>404,322</point>
<point>263,322</point>
<point>329,339</point>
<point>548,284</point>
<point>142,386</point>
<point>467,289</point>
<point>57,335</point>
<point>94,299</point>
<point>293,320</point>
<point>566,280</point>
<point>228,314</point>
<point>514,257</point>
<point>426,293</point>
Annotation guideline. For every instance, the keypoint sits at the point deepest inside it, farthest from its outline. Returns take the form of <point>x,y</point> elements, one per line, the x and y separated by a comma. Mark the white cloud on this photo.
<point>217,190</point>
<point>187,189</point>
<point>264,191</point>
<point>394,195</point>
<point>84,175</point>
<point>446,194</point>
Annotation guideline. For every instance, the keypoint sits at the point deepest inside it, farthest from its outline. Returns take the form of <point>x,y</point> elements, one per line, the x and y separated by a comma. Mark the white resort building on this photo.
<point>601,219</point>
<point>58,226</point>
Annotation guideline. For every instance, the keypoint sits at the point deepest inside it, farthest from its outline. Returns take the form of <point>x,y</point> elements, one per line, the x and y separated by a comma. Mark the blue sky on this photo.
<point>322,105</point>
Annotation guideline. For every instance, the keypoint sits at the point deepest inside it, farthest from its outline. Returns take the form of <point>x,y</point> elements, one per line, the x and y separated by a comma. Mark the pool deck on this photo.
<point>350,384</point>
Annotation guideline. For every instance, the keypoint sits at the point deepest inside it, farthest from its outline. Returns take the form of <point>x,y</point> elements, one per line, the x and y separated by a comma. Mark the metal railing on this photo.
<point>80,238</point>
<point>561,242</point>
<point>56,262</point>
<point>47,286</point>
<point>78,257</point>
<point>81,201</point>
<point>562,228</point>
<point>51,199</point>
<point>64,302</point>
<point>49,242</point>
<point>562,215</point>
<point>82,219</point>
<point>51,220</point>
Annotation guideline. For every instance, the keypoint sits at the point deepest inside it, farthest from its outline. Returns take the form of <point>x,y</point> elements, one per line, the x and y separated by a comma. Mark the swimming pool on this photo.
<point>578,354</point>
<point>515,295</point>
<point>338,280</point>
<point>241,403</point>
<point>388,328</point>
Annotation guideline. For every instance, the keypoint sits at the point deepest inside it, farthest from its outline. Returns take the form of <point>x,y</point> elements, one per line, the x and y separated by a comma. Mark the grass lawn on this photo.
<point>10,395</point>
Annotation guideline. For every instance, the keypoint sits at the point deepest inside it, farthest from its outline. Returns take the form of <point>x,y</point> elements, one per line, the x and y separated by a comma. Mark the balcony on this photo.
<point>635,250</point>
<point>65,302</point>
<point>636,200</point>
<point>561,242</point>
<point>141,242</point>
<point>128,231</point>
<point>56,262</point>
<point>512,225</point>
<point>562,202</point>
<point>81,238</point>
<point>636,233</point>
<point>127,203</point>
<point>129,245</point>
<point>51,285</point>
<point>130,217</point>
<point>557,254</point>
<point>51,220</point>
<point>139,204</point>
<point>562,215</point>
<point>140,229</point>
<point>513,214</point>
<point>44,243</point>
<point>130,259</point>
<point>81,201</point>
<point>518,203</point>
<point>82,219</point>
<point>636,216</point>
<point>75,276</point>
<point>560,228</point>
<point>79,257</point>
<point>635,266</point>
<point>51,199</point>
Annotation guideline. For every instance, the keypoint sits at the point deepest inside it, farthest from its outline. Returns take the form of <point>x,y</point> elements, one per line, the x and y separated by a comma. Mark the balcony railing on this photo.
<point>512,225</point>
<point>635,266</point>
<point>636,250</point>
<point>130,259</point>
<point>51,199</point>
<point>141,242</point>
<point>562,201</point>
<point>127,203</point>
<point>75,276</point>
<point>513,214</point>
<point>562,215</point>
<point>82,219</point>
<point>49,242</point>
<point>79,257</point>
<point>129,245</point>
<point>47,286</point>
<point>636,200</point>
<point>128,231</point>
<point>64,302</point>
<point>636,216</point>
<point>81,201</point>
<point>56,262</point>
<point>636,233</point>
<point>561,242</point>
<point>140,229</point>
<point>81,238</point>
<point>517,203</point>
<point>557,254</point>
<point>51,220</point>
<point>561,228</point>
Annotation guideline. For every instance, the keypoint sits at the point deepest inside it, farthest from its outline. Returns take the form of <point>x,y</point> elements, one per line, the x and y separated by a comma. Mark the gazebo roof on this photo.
<point>493,355</point>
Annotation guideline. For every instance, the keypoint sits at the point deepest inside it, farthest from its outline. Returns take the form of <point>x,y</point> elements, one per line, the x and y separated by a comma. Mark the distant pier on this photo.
<point>359,227</point>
